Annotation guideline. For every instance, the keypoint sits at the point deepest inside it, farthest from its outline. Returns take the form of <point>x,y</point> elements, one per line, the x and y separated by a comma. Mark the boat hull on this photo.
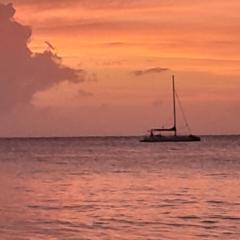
<point>181,138</point>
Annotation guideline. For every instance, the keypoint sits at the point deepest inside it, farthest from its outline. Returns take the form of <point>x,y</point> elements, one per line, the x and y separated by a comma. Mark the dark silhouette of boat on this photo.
<point>156,135</point>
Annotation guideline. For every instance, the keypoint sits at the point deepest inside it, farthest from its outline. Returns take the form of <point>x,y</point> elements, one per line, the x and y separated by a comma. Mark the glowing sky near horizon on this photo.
<point>198,41</point>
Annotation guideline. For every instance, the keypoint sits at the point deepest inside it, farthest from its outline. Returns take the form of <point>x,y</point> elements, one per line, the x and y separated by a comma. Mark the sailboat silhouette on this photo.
<point>156,135</point>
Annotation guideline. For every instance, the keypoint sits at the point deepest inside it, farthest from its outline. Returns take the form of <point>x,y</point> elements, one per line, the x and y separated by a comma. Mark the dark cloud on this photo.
<point>44,4</point>
<point>115,44</point>
<point>22,72</point>
<point>150,71</point>
<point>92,4</point>
<point>81,26</point>
<point>122,44</point>
<point>84,93</point>
<point>111,63</point>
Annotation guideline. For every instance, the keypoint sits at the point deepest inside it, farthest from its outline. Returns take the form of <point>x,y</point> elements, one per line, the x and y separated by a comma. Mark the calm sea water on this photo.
<point>118,188</point>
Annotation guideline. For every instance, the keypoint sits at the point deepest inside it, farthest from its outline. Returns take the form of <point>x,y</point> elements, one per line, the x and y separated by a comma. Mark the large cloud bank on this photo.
<point>22,72</point>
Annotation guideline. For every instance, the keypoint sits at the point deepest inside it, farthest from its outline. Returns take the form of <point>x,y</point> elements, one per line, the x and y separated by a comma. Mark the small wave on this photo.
<point>190,217</point>
<point>231,218</point>
<point>209,221</point>
<point>215,202</point>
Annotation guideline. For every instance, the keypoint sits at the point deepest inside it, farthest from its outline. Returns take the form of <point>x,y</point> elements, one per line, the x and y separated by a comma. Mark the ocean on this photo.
<point>118,188</point>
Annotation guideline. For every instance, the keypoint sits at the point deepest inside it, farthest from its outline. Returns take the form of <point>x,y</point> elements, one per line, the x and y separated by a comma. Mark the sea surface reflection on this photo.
<point>118,188</point>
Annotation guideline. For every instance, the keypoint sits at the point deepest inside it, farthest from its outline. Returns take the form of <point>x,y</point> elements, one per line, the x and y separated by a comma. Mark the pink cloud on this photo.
<point>22,72</point>
<point>150,71</point>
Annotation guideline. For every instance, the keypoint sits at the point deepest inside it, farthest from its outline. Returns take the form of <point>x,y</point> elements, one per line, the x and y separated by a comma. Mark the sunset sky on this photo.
<point>117,58</point>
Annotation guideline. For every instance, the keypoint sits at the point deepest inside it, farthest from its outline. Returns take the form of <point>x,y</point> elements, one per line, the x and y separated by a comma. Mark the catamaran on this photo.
<point>156,135</point>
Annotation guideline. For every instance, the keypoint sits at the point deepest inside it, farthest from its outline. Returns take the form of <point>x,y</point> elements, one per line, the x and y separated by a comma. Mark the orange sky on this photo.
<point>198,41</point>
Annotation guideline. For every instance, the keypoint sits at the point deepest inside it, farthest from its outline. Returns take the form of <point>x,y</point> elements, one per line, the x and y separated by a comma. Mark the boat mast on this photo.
<point>174,106</point>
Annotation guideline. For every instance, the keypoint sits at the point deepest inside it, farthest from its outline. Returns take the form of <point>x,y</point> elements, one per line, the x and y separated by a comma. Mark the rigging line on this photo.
<point>183,113</point>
